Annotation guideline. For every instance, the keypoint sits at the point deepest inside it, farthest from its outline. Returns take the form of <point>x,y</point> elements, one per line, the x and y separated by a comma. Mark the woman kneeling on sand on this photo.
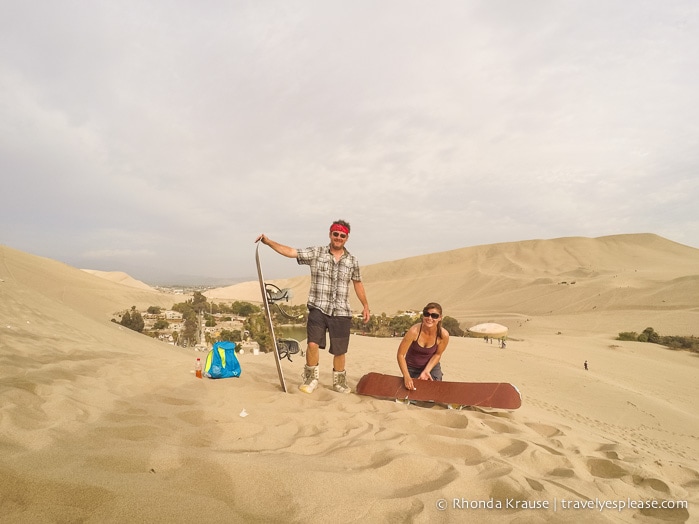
<point>422,346</point>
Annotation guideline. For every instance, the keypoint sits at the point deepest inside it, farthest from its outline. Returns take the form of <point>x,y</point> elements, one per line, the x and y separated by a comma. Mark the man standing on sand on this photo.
<point>332,269</point>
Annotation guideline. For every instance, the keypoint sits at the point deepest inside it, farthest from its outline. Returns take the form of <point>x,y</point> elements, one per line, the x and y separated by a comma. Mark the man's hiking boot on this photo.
<point>310,378</point>
<point>340,382</point>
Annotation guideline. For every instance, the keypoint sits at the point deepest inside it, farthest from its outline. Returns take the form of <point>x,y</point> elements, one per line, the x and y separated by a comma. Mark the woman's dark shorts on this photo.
<point>436,372</point>
<point>337,327</point>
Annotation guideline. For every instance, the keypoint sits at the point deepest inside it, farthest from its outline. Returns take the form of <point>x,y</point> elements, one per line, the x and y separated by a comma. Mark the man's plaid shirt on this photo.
<point>330,280</point>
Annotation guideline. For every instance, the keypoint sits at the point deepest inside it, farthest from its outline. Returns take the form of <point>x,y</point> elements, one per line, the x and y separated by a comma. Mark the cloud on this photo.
<point>192,128</point>
<point>118,253</point>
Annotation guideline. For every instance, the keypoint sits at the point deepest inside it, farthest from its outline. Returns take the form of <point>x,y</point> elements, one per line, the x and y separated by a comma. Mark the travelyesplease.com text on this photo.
<point>559,504</point>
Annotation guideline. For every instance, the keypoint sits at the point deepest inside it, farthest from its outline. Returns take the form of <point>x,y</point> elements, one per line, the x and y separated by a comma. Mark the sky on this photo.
<point>161,138</point>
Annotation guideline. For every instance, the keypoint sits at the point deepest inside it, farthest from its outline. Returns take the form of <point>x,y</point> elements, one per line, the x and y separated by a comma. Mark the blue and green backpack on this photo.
<point>221,361</point>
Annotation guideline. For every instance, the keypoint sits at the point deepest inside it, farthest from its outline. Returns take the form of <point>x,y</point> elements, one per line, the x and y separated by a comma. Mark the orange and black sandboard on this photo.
<point>500,395</point>
<point>268,317</point>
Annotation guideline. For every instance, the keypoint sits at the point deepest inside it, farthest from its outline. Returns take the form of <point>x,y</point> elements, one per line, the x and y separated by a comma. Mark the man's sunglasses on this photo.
<point>433,315</point>
<point>338,234</point>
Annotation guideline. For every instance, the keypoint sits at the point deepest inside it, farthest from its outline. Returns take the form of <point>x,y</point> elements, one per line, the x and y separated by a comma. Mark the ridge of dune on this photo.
<point>99,423</point>
<point>120,278</point>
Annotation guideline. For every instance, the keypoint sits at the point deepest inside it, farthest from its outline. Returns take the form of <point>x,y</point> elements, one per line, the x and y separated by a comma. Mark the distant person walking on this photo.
<point>422,347</point>
<point>585,365</point>
<point>332,270</point>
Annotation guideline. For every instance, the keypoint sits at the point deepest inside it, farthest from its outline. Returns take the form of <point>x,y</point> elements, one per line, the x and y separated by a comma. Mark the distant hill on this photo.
<point>535,277</point>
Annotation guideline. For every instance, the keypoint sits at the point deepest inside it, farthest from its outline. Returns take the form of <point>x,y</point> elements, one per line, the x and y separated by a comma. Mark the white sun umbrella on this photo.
<point>488,329</point>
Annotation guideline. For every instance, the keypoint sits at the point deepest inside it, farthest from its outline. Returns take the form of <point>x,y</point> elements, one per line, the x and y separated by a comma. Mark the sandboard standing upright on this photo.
<point>268,317</point>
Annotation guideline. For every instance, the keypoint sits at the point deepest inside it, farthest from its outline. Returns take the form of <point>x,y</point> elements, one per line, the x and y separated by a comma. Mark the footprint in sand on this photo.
<point>609,451</point>
<point>535,485</point>
<point>499,427</point>
<point>606,469</point>
<point>494,471</point>
<point>653,483</point>
<point>550,449</point>
<point>507,489</point>
<point>563,473</point>
<point>514,448</point>
<point>545,430</point>
<point>666,515</point>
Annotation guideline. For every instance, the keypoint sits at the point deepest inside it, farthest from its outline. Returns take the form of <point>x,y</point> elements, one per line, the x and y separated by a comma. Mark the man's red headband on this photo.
<point>339,227</point>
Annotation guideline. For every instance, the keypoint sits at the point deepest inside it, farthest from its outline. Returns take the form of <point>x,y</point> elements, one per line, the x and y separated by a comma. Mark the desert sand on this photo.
<point>102,424</point>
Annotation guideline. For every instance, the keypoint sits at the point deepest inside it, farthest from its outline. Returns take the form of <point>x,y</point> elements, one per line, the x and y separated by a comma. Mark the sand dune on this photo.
<point>120,277</point>
<point>101,424</point>
<point>637,278</point>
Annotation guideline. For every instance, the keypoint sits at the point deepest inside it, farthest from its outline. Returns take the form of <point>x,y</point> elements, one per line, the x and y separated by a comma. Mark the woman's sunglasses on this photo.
<point>433,315</point>
<point>338,234</point>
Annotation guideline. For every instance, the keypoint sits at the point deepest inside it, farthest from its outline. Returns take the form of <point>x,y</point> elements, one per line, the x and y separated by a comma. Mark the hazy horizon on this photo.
<point>198,280</point>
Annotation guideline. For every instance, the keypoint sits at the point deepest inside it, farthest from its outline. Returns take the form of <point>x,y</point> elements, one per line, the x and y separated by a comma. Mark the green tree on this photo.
<point>368,328</point>
<point>243,309</point>
<point>256,325</point>
<point>199,302</point>
<point>137,323</point>
<point>133,320</point>
<point>190,327</point>
<point>381,326</point>
<point>651,335</point>
<point>628,335</point>
<point>401,323</point>
<point>183,307</point>
<point>452,326</point>
<point>230,335</point>
<point>126,320</point>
